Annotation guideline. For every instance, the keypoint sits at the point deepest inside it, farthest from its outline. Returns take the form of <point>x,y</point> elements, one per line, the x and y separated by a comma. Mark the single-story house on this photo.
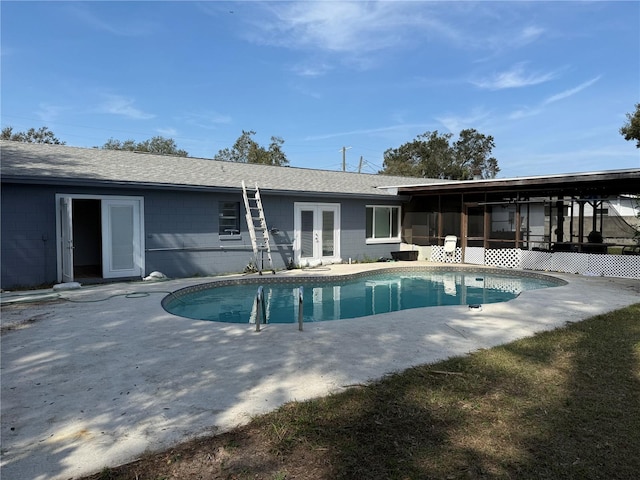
<point>88,215</point>
<point>81,214</point>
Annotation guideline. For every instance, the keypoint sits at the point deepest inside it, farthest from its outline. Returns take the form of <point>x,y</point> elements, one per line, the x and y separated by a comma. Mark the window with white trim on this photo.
<point>383,224</point>
<point>229,219</point>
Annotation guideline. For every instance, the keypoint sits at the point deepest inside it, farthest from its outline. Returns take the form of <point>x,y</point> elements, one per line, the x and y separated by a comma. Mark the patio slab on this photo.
<point>101,377</point>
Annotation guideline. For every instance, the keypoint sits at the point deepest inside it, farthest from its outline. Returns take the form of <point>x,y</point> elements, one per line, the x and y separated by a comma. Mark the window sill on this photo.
<point>373,241</point>
<point>229,237</point>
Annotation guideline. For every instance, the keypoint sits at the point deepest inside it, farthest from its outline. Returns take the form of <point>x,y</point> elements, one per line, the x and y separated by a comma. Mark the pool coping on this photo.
<point>177,295</point>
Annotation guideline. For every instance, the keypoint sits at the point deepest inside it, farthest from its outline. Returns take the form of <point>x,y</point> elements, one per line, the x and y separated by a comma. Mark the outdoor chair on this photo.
<point>450,242</point>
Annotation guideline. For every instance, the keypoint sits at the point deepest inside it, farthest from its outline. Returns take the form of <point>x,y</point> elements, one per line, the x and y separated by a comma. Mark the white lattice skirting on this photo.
<point>627,266</point>
<point>438,255</point>
<point>474,255</point>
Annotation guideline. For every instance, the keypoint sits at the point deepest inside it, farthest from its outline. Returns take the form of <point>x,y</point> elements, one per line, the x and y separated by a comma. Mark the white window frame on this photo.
<point>230,236</point>
<point>374,240</point>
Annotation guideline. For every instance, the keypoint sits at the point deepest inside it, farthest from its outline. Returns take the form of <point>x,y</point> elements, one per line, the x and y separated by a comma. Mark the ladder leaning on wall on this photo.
<point>257,226</point>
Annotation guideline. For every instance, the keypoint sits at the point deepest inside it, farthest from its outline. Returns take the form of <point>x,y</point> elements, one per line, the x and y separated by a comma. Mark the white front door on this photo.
<point>316,233</point>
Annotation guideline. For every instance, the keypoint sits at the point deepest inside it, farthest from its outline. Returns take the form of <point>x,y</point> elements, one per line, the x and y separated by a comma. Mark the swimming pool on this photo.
<point>352,296</point>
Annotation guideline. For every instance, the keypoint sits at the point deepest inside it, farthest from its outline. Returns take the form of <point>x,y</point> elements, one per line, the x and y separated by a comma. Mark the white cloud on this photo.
<point>528,35</point>
<point>119,105</point>
<point>525,112</point>
<point>366,131</point>
<point>499,38</point>
<point>354,31</point>
<point>347,27</point>
<point>570,92</point>
<point>516,77</point>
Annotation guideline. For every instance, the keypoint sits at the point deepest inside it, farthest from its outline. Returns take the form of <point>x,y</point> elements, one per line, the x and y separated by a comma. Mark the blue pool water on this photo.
<point>339,298</point>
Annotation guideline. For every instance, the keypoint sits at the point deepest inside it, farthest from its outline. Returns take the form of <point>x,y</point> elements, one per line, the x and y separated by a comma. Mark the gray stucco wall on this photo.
<point>181,232</point>
<point>186,225</point>
<point>28,245</point>
<point>353,238</point>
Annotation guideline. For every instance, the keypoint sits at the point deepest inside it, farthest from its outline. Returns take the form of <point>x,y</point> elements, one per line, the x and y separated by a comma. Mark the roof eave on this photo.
<point>84,182</point>
<point>541,182</point>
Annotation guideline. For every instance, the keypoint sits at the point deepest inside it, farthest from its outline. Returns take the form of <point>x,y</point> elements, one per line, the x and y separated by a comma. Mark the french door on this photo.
<point>316,233</point>
<point>107,230</point>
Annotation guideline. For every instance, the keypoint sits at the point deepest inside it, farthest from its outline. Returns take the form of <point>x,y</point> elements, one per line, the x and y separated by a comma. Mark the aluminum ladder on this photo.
<point>257,226</point>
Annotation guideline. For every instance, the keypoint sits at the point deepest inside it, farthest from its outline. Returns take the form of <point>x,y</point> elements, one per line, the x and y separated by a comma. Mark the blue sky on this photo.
<point>550,81</point>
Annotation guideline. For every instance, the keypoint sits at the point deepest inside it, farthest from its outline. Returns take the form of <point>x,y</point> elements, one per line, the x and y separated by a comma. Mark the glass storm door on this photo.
<point>317,233</point>
<point>121,238</point>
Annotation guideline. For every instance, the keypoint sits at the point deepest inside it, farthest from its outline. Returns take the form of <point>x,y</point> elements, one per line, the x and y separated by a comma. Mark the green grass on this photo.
<point>562,404</point>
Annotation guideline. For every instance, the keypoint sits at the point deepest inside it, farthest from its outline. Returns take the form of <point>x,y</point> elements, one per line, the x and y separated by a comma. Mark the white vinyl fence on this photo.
<point>604,265</point>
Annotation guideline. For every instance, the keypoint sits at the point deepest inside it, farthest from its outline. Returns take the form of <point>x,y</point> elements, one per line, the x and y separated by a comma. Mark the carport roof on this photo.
<point>64,165</point>
<point>583,185</point>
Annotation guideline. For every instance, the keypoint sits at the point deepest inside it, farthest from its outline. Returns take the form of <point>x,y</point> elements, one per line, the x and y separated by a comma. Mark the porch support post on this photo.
<point>550,221</point>
<point>571,222</point>
<point>486,230</point>
<point>518,220</point>
<point>560,226</point>
<point>463,224</point>
<point>601,217</point>
<point>529,226</point>
<point>440,216</point>
<point>581,222</point>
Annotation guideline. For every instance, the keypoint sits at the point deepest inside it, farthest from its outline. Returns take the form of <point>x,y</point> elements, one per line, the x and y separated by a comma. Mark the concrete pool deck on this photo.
<point>102,377</point>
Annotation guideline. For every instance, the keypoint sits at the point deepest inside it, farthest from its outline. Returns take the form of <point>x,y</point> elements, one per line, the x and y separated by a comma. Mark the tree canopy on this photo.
<point>432,155</point>
<point>631,129</point>
<point>158,145</point>
<point>247,150</point>
<point>41,135</point>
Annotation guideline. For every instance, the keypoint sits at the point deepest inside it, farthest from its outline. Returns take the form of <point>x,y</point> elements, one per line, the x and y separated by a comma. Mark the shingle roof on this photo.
<point>59,164</point>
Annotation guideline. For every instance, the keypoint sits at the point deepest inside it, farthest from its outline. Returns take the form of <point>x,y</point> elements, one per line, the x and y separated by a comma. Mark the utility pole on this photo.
<point>360,165</point>
<point>344,158</point>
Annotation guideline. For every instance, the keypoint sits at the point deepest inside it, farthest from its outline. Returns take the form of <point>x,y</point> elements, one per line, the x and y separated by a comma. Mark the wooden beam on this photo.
<point>518,220</point>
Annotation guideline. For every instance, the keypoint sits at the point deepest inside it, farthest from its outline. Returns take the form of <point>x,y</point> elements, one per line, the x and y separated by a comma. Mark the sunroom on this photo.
<point>499,221</point>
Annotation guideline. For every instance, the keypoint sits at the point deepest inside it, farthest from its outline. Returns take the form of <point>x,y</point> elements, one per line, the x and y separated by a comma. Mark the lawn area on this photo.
<point>561,404</point>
